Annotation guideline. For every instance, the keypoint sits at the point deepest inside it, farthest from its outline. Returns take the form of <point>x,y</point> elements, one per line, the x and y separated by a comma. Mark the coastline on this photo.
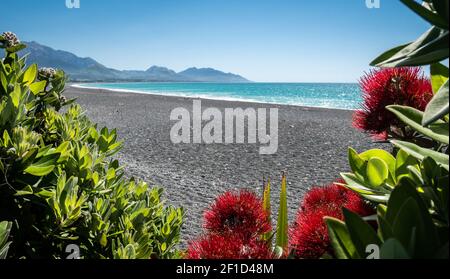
<point>227,99</point>
<point>313,145</point>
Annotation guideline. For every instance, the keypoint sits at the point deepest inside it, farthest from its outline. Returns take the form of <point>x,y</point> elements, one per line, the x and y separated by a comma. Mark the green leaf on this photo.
<point>130,252</point>
<point>357,164</point>
<point>102,143</point>
<point>30,74</point>
<point>378,195</point>
<point>166,230</point>
<point>403,161</point>
<point>44,166</point>
<point>398,196</point>
<point>442,8</point>
<point>111,174</point>
<point>5,229</point>
<point>393,249</point>
<point>103,240</point>
<point>353,182</point>
<point>381,210</point>
<point>439,75</point>
<point>164,247</point>
<point>356,183</point>
<point>381,154</point>
<point>45,194</point>
<point>361,233</point>
<point>38,87</point>
<point>414,228</point>
<point>415,176</point>
<point>438,106</point>
<point>384,228</point>
<point>3,82</point>
<point>28,190</point>
<point>421,153</point>
<point>15,96</point>
<point>406,224</point>
<point>431,47</point>
<point>267,208</point>
<point>428,15</point>
<point>413,118</point>
<point>388,55</point>
<point>340,239</point>
<point>283,225</point>
<point>411,221</point>
<point>377,172</point>
<point>6,138</point>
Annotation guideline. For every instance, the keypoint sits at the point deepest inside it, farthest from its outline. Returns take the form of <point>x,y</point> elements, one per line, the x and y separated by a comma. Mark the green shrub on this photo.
<point>411,189</point>
<point>5,228</point>
<point>59,184</point>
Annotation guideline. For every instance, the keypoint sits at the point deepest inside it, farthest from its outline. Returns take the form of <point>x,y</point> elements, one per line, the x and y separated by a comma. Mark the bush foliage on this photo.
<point>410,187</point>
<point>59,184</point>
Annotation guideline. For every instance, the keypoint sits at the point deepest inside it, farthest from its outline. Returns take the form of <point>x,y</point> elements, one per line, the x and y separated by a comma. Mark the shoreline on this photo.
<point>78,86</point>
<point>312,150</point>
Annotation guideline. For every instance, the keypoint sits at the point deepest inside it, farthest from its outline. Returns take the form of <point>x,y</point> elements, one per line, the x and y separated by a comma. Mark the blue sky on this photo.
<point>263,40</point>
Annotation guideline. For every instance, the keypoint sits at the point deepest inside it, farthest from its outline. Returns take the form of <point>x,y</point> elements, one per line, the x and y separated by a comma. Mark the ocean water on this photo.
<point>324,95</point>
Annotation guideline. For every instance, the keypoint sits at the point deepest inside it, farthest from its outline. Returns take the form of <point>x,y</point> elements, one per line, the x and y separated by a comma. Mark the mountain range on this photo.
<point>87,69</point>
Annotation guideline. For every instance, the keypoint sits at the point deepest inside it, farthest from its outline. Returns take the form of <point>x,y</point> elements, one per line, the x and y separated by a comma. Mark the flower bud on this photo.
<point>46,73</point>
<point>11,39</point>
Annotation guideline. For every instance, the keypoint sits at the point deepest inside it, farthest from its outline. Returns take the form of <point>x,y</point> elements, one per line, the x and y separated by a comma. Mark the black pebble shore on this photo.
<point>313,144</point>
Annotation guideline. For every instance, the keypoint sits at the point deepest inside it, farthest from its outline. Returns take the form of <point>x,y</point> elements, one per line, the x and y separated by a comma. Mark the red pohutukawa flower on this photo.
<point>392,86</point>
<point>240,213</point>
<point>331,196</point>
<point>309,235</point>
<point>215,246</point>
<point>335,197</point>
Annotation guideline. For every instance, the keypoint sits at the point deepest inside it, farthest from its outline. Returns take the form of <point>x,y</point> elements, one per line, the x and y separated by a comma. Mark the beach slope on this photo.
<point>313,146</point>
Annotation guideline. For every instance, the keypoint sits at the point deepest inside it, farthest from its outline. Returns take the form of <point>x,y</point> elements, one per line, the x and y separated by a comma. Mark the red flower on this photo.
<point>237,214</point>
<point>309,235</point>
<point>335,197</point>
<point>331,196</point>
<point>357,205</point>
<point>229,247</point>
<point>384,87</point>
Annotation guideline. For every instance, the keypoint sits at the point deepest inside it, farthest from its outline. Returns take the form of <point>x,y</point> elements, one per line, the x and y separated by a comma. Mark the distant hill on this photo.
<point>211,75</point>
<point>76,67</point>
<point>89,70</point>
<point>162,73</point>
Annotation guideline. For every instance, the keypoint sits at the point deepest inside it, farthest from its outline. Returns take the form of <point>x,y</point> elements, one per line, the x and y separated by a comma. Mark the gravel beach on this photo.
<point>312,150</point>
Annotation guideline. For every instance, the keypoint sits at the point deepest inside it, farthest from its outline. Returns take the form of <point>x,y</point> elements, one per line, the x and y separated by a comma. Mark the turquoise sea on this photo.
<point>325,95</point>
